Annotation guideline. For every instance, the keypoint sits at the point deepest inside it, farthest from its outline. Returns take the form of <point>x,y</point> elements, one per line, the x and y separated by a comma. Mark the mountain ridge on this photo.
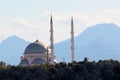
<point>100,41</point>
<point>11,49</point>
<point>95,41</point>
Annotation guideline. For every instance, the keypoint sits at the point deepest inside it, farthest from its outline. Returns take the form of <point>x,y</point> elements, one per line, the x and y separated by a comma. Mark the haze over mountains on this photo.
<point>12,49</point>
<point>97,42</point>
<point>101,41</point>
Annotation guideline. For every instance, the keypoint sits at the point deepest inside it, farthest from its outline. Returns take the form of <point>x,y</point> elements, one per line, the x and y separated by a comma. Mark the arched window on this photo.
<point>38,61</point>
<point>24,62</point>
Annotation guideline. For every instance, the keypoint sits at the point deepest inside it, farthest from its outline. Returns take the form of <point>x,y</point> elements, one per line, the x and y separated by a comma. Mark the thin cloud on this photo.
<point>30,31</point>
<point>23,22</point>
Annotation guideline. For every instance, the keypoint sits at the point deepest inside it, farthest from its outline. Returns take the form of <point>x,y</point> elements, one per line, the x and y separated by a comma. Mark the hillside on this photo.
<point>11,49</point>
<point>101,41</point>
<point>97,42</point>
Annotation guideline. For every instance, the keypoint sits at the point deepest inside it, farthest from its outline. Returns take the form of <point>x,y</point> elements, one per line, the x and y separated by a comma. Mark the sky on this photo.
<point>30,19</point>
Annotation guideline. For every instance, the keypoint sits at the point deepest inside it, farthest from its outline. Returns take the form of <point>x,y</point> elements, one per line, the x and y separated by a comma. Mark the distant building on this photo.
<point>37,53</point>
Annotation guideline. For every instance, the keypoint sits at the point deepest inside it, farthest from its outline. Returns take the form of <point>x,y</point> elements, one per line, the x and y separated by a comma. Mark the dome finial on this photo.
<point>37,40</point>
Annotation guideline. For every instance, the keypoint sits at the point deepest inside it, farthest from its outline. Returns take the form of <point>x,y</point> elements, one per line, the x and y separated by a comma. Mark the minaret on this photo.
<point>72,39</point>
<point>51,37</point>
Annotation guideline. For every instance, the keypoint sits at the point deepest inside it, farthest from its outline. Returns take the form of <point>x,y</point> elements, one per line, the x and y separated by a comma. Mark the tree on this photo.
<point>2,63</point>
<point>85,59</point>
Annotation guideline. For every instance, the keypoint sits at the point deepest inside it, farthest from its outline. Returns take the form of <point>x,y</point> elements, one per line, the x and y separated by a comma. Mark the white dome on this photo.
<point>36,48</point>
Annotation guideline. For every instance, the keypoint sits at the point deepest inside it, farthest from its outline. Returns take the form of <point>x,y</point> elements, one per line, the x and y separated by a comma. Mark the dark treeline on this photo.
<point>84,70</point>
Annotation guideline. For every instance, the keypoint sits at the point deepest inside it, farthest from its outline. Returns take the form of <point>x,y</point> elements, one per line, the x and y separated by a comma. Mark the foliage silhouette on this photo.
<point>83,70</point>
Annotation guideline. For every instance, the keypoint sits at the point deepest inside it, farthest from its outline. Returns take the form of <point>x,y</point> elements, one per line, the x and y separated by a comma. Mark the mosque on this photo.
<point>39,53</point>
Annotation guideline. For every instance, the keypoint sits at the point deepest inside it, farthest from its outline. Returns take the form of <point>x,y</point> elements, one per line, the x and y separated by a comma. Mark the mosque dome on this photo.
<point>36,47</point>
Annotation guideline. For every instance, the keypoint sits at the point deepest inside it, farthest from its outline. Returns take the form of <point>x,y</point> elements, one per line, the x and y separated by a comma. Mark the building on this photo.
<point>37,53</point>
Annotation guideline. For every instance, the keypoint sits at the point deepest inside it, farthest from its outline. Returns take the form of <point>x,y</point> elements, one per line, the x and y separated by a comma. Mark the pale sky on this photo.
<point>29,19</point>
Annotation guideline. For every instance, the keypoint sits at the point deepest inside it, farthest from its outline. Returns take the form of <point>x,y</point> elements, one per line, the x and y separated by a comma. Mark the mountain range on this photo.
<point>97,42</point>
<point>11,49</point>
<point>101,41</point>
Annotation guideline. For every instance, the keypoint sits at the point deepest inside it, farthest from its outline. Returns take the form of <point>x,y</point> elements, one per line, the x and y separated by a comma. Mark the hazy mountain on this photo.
<point>101,41</point>
<point>11,49</point>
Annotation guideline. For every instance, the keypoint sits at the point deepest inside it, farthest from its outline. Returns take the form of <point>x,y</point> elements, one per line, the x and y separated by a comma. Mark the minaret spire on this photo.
<point>72,39</point>
<point>51,36</point>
